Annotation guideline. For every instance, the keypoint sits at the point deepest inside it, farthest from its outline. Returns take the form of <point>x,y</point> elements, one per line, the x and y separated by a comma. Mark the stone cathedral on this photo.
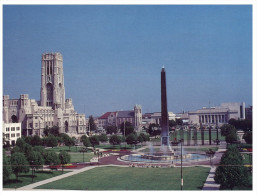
<point>52,109</point>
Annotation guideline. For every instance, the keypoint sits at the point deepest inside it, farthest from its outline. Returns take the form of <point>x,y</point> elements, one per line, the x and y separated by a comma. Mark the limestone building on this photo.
<point>217,115</point>
<point>118,117</point>
<point>52,109</point>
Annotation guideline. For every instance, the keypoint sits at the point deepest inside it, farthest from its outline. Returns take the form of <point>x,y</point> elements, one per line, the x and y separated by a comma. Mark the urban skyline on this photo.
<point>113,54</point>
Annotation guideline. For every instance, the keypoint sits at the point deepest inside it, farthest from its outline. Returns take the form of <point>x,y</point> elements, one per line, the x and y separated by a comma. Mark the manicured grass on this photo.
<point>202,149</point>
<point>78,157</point>
<point>25,178</point>
<point>113,147</point>
<point>66,148</point>
<point>120,178</point>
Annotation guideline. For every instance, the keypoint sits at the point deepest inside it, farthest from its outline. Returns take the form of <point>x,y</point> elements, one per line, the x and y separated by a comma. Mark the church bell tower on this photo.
<point>52,81</point>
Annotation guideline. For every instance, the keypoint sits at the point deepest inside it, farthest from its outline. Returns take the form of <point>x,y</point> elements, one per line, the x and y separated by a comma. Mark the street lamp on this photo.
<point>181,171</point>
<point>32,163</point>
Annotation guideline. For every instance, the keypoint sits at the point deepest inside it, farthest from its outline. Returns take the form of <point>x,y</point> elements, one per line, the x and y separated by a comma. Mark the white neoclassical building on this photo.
<point>52,109</point>
<point>217,115</point>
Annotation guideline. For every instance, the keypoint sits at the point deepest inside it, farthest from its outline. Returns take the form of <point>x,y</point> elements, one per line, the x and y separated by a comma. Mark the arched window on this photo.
<point>66,127</point>
<point>14,119</point>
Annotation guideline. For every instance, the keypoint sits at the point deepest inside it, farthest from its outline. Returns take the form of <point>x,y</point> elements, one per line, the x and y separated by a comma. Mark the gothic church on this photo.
<point>51,110</point>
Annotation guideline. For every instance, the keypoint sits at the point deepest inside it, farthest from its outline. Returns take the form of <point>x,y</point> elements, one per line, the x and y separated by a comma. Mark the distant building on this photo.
<point>52,109</point>
<point>217,115</point>
<point>249,113</point>
<point>118,117</point>
<point>155,118</point>
<point>11,132</point>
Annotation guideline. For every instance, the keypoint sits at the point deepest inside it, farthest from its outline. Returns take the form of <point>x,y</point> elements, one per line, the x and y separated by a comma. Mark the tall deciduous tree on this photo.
<point>7,171</point>
<point>51,141</point>
<point>36,141</point>
<point>129,128</point>
<point>111,129</point>
<point>131,139</point>
<point>115,140</point>
<point>94,140</point>
<point>19,164</point>
<point>226,129</point>
<point>248,137</point>
<point>51,158</point>
<point>85,140</point>
<point>64,158</point>
<point>35,160</point>
<point>103,138</point>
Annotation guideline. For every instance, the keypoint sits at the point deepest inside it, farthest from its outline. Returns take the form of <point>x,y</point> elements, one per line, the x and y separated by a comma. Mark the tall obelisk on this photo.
<point>164,118</point>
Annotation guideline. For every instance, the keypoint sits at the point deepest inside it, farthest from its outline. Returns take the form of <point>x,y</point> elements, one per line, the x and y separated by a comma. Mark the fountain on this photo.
<point>166,154</point>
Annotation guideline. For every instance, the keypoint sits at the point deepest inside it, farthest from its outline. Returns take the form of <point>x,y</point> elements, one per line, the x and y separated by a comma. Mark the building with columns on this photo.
<point>217,115</point>
<point>52,109</point>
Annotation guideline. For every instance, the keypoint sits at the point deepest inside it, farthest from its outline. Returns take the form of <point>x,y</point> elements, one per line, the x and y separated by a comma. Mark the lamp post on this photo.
<point>32,163</point>
<point>181,171</point>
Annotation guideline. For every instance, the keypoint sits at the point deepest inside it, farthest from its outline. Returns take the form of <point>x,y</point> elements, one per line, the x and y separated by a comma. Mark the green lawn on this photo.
<point>113,147</point>
<point>78,157</point>
<point>25,178</point>
<point>66,148</point>
<point>119,178</point>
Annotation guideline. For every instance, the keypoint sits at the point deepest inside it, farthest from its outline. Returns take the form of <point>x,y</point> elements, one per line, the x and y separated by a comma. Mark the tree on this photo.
<point>39,149</point>
<point>179,121</point>
<point>140,139</point>
<point>51,158</point>
<point>85,140</point>
<point>129,128</point>
<point>172,123</point>
<point>51,141</point>
<point>36,141</point>
<point>154,130</point>
<point>145,137</point>
<point>64,158</point>
<point>19,164</point>
<point>248,137</point>
<point>21,144</point>
<point>91,123</point>
<point>94,140</point>
<point>27,149</point>
<point>35,160</point>
<point>131,139</point>
<point>7,171</point>
<point>245,125</point>
<point>53,130</point>
<point>103,138</point>
<point>231,137</point>
<point>226,129</point>
<point>115,140</point>
<point>231,171</point>
<point>111,129</point>
<point>28,139</point>
<point>67,140</point>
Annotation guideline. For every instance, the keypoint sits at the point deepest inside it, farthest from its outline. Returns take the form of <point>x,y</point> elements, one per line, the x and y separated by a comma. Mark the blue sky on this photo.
<point>113,54</point>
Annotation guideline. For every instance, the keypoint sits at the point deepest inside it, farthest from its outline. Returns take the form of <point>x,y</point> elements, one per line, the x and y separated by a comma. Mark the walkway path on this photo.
<point>210,183</point>
<point>34,185</point>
